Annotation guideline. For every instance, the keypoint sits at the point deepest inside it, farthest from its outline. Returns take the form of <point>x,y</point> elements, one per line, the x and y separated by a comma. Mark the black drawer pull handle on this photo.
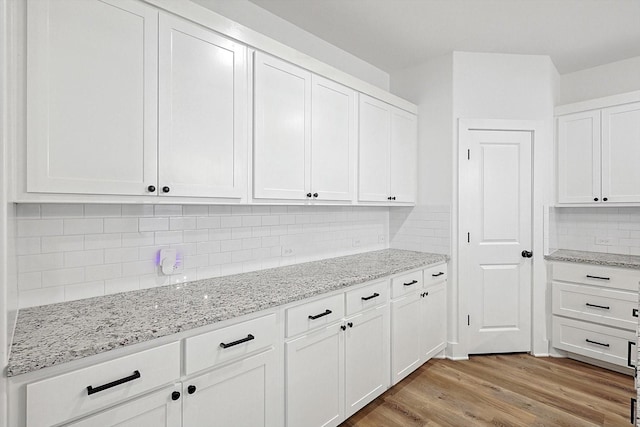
<point>632,416</point>
<point>231,344</point>
<point>596,343</point>
<point>597,277</point>
<point>91,390</point>
<point>606,307</point>
<point>437,275</point>
<point>634,312</point>
<point>413,282</point>
<point>375,295</point>
<point>629,364</point>
<point>317,316</point>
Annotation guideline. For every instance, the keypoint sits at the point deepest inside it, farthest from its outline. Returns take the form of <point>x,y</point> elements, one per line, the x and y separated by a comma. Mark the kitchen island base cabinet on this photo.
<point>158,409</point>
<point>242,394</point>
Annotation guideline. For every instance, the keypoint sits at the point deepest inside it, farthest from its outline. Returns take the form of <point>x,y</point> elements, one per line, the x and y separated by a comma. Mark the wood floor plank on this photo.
<point>503,390</point>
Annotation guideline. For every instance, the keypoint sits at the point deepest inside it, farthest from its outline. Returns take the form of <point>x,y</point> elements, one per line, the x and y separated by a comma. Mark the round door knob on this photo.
<point>308,194</point>
<point>595,199</point>
<point>191,389</point>
<point>527,254</point>
<point>315,194</point>
<point>175,395</point>
<point>165,189</point>
<point>605,199</point>
<point>151,188</point>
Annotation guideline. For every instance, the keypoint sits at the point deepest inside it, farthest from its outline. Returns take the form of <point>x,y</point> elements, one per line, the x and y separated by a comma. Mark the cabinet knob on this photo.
<point>175,395</point>
<point>191,389</point>
<point>343,327</point>
<point>151,188</point>
<point>595,199</point>
<point>389,198</point>
<point>165,189</point>
<point>605,199</point>
<point>350,324</point>
<point>315,194</point>
<point>308,194</point>
<point>393,198</point>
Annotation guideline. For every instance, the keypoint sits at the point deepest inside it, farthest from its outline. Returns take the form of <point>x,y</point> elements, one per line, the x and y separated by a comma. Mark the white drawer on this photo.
<point>596,275</point>
<point>368,296</point>
<point>232,342</point>
<point>596,341</point>
<point>66,396</point>
<point>314,314</point>
<point>601,305</point>
<point>436,274</point>
<point>406,283</point>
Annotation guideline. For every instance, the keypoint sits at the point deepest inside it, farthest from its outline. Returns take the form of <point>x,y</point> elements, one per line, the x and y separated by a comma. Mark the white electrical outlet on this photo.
<point>288,251</point>
<point>604,241</point>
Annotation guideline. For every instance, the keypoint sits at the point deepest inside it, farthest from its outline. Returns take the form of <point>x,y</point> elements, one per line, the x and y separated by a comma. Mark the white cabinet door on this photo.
<point>315,378</point>
<point>579,157</point>
<point>404,154</point>
<point>91,96</point>
<point>333,140</point>
<point>282,129</point>
<point>621,153</point>
<point>242,394</point>
<point>374,145</point>
<point>366,358</point>
<point>158,409</point>
<point>202,111</point>
<point>406,315</point>
<point>434,320</point>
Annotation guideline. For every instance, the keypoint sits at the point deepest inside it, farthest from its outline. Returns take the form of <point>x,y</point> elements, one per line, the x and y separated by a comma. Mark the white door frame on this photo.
<point>543,178</point>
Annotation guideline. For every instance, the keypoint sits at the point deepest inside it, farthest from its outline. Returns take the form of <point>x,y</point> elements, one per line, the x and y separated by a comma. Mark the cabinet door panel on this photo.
<point>366,358</point>
<point>333,140</point>
<point>434,320</point>
<point>202,110</point>
<point>282,129</point>
<point>621,153</point>
<point>91,96</point>
<point>405,336</point>
<point>241,395</point>
<point>155,410</point>
<point>374,142</point>
<point>579,157</point>
<point>404,154</point>
<point>315,378</point>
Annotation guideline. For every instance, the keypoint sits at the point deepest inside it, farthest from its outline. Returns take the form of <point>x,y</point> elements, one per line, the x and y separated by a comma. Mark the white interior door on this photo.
<point>495,228</point>
<point>202,111</point>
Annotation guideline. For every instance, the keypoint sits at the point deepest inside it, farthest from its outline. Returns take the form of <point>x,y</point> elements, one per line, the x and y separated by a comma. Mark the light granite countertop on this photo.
<point>53,334</point>
<point>599,258</point>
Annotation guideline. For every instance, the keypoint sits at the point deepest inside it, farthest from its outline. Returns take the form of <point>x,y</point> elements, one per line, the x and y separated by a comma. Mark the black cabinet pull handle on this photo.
<point>596,343</point>
<point>308,194</point>
<point>317,316</point>
<point>629,364</point>
<point>231,344</point>
<point>375,295</point>
<point>151,188</point>
<point>91,390</point>
<point>413,282</point>
<point>606,307</point>
<point>191,389</point>
<point>437,275</point>
<point>597,277</point>
<point>632,416</point>
<point>634,312</point>
<point>175,395</point>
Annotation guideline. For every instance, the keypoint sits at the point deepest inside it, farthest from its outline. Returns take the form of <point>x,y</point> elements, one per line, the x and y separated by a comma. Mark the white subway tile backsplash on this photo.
<point>83,258</point>
<point>55,210</point>
<point>42,296</point>
<point>167,210</point>
<point>102,272</point>
<point>137,239</point>
<point>83,290</point>
<point>137,210</point>
<point>204,222</point>
<point>27,281</point>
<point>153,224</point>
<point>230,221</point>
<point>28,211</point>
<point>119,255</point>
<point>102,241</point>
<point>125,284</point>
<point>102,210</point>
<point>40,262</point>
<point>62,243</point>
<point>168,237</point>
<point>61,277</point>
<point>34,227</point>
<point>120,225</point>
<point>27,245</point>
<point>83,226</point>
<point>182,223</point>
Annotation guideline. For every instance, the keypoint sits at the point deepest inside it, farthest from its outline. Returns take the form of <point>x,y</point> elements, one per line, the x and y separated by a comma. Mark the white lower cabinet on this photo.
<point>158,409</point>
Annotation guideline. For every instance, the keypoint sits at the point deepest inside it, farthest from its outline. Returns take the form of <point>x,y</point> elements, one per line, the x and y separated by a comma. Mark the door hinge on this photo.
<point>468,154</point>
<point>468,237</point>
<point>468,320</point>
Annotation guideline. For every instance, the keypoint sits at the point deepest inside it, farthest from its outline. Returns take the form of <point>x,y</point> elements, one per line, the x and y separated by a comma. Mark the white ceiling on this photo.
<point>395,34</point>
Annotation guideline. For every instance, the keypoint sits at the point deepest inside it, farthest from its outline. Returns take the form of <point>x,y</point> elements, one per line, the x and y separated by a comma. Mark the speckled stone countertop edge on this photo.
<point>51,335</point>
<point>597,258</point>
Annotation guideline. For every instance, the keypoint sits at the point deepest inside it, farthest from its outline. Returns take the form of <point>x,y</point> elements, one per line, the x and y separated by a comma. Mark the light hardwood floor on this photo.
<point>503,390</point>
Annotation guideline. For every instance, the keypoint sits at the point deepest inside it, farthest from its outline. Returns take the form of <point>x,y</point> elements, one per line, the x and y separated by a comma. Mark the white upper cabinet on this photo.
<point>203,112</point>
<point>91,96</point>
<point>305,134</point>
<point>621,153</point>
<point>333,140</point>
<point>282,138</point>
<point>387,153</point>
<point>598,154</point>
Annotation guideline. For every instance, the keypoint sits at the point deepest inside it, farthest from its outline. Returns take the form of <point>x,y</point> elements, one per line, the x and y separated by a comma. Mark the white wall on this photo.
<point>252,16</point>
<point>609,79</point>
